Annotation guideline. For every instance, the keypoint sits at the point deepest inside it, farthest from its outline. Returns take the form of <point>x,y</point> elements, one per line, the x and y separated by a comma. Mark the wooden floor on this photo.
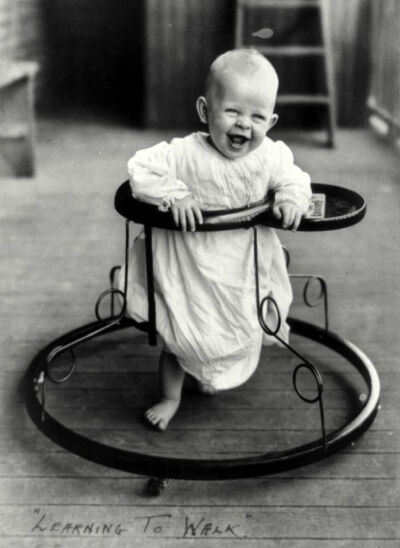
<point>59,238</point>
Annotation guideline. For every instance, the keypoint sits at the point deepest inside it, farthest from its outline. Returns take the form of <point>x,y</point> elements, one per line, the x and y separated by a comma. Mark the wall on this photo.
<point>207,28</point>
<point>94,54</point>
<point>351,41</point>
<point>89,51</point>
<point>175,74</point>
<point>384,98</point>
<point>110,54</point>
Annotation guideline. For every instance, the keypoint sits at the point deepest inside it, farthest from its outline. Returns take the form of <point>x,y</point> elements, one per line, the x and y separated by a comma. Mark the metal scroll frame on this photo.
<point>82,335</point>
<point>203,469</point>
<point>274,332</point>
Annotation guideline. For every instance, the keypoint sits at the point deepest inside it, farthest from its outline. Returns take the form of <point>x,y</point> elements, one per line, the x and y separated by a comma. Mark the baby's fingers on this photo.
<point>277,212</point>
<point>198,214</point>
<point>190,220</point>
<point>175,214</point>
<point>297,221</point>
<point>182,219</point>
<point>287,218</point>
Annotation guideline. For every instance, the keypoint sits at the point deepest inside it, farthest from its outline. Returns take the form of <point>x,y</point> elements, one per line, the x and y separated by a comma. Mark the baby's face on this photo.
<point>239,114</point>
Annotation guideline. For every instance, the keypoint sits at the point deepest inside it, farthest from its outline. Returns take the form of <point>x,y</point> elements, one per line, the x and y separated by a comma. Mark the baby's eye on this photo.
<point>259,117</point>
<point>231,110</point>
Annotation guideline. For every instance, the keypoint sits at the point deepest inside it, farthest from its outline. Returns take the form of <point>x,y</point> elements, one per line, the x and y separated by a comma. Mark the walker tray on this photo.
<point>336,207</point>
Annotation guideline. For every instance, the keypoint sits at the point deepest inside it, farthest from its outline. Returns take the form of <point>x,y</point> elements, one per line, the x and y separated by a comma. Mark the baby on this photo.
<point>205,281</point>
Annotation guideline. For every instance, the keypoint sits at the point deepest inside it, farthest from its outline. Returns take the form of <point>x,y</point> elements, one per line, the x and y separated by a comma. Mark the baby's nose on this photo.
<point>243,122</point>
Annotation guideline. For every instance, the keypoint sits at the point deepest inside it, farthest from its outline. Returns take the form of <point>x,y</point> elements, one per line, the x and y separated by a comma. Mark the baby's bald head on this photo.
<point>245,62</point>
<point>238,106</point>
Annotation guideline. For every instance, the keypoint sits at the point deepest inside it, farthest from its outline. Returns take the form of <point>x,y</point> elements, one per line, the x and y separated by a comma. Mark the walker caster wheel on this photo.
<point>155,486</point>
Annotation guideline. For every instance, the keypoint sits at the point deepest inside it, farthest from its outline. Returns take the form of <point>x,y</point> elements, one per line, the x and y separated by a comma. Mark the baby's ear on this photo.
<point>272,121</point>
<point>201,106</point>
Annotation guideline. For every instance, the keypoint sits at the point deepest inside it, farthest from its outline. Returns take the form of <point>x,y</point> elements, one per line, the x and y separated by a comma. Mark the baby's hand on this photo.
<point>186,212</point>
<point>289,213</point>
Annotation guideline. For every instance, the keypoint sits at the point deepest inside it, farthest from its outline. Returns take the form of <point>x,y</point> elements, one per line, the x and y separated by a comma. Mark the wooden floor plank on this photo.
<point>119,541</point>
<point>274,491</point>
<point>202,418</point>
<point>244,399</point>
<point>30,440</point>
<point>349,465</point>
<point>26,542</point>
<point>278,380</point>
<point>142,389</point>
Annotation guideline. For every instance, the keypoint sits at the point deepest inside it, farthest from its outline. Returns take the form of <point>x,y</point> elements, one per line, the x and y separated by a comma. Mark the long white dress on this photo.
<point>205,281</point>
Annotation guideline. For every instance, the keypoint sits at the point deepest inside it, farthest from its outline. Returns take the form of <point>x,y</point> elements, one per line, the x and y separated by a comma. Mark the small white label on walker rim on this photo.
<point>317,207</point>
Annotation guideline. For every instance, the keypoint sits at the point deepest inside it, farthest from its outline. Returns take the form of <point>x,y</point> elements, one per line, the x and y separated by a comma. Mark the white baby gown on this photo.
<point>206,309</point>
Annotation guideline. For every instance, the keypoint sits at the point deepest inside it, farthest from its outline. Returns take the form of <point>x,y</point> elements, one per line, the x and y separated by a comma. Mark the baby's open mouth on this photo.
<point>237,141</point>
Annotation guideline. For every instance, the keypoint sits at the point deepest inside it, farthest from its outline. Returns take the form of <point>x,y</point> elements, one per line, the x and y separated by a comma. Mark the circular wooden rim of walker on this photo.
<point>208,469</point>
<point>343,208</point>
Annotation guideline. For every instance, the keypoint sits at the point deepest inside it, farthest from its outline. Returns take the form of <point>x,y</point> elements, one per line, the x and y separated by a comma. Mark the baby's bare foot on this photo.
<point>160,414</point>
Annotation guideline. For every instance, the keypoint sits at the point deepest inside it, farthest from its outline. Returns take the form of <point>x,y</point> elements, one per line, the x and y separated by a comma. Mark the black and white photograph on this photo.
<point>200,273</point>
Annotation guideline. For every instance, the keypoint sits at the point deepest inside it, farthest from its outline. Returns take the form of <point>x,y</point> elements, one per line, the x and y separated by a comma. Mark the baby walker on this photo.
<point>334,207</point>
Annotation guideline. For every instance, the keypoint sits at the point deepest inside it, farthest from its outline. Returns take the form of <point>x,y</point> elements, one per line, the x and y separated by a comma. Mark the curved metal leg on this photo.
<point>273,332</point>
<point>323,293</point>
<point>101,326</point>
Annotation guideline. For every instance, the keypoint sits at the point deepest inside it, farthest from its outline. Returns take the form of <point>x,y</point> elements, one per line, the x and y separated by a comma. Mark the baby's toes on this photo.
<point>151,416</point>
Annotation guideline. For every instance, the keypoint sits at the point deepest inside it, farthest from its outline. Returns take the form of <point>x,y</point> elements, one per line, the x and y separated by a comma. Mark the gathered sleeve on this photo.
<point>288,181</point>
<point>152,176</point>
